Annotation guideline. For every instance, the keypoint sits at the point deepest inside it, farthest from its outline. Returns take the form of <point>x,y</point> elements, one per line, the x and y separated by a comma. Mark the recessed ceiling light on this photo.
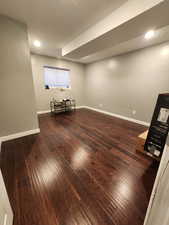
<point>149,34</point>
<point>37,43</point>
<point>112,64</point>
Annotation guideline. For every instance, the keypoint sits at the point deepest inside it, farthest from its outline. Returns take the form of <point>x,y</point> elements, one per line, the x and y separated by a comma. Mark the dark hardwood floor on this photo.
<point>82,169</point>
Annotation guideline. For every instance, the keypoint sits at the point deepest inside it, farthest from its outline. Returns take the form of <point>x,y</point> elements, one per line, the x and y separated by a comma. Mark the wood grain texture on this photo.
<point>82,169</point>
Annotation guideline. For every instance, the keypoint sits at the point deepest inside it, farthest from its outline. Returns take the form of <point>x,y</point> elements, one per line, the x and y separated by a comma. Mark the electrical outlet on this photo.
<point>100,105</point>
<point>134,112</point>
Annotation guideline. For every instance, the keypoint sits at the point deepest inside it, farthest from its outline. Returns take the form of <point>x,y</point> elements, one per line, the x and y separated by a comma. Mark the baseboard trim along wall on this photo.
<point>119,116</point>
<point>48,111</point>
<point>80,107</point>
<point>107,113</point>
<point>36,131</point>
<point>18,135</point>
<point>43,112</point>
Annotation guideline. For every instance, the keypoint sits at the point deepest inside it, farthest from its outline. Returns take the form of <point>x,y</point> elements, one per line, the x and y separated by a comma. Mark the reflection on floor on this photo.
<point>82,169</point>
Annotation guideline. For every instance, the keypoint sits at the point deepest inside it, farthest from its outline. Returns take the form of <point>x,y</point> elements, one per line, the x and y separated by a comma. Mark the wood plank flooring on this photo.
<point>82,169</point>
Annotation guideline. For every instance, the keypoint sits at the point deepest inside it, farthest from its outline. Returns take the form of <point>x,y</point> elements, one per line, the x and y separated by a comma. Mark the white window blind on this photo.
<point>56,77</point>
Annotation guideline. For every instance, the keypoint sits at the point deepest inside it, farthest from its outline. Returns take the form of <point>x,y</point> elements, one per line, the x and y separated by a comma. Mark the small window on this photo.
<point>56,77</point>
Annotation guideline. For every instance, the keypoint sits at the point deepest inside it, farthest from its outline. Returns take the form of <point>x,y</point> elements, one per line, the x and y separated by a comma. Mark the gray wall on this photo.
<point>128,82</point>
<point>44,96</point>
<point>17,100</point>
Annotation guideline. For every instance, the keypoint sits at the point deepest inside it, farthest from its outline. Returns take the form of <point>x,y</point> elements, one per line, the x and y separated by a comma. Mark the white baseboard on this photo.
<point>18,135</point>
<point>43,112</point>
<point>80,107</point>
<point>118,116</point>
<point>107,113</point>
<point>48,111</point>
<point>36,131</point>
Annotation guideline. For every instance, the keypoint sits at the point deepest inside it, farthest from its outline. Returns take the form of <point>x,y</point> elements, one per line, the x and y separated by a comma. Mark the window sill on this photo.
<point>58,88</point>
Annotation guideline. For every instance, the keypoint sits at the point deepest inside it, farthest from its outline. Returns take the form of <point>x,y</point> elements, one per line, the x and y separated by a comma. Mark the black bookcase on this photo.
<point>159,127</point>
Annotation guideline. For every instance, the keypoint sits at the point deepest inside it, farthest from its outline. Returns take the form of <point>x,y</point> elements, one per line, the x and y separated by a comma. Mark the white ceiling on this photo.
<point>56,22</point>
<point>161,36</point>
<point>89,30</point>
